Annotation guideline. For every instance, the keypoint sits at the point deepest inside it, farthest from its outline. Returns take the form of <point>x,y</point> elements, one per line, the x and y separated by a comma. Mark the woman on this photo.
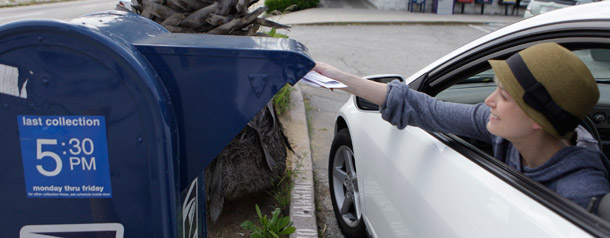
<point>543,93</point>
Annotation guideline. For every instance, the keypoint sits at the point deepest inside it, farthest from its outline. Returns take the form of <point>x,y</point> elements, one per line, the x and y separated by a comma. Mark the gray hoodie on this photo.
<point>577,173</point>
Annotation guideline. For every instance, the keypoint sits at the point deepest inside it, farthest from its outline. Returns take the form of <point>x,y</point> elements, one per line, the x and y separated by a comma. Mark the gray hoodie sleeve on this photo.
<point>404,106</point>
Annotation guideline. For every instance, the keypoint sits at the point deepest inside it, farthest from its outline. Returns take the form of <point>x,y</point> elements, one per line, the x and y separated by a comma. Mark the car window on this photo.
<point>486,76</point>
<point>477,87</point>
<point>598,62</point>
<point>471,90</point>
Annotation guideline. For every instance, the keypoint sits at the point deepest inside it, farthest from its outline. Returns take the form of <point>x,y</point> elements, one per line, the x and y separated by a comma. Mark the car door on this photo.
<point>418,183</point>
<point>415,184</point>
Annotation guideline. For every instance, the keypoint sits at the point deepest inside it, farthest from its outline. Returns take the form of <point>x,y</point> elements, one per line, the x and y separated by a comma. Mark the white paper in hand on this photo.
<point>318,80</point>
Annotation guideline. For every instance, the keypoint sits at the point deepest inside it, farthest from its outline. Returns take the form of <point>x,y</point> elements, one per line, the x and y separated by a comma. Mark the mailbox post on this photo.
<point>109,121</point>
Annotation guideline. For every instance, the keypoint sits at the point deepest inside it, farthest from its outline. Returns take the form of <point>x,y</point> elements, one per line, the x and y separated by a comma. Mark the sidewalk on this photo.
<point>9,3</point>
<point>303,210</point>
<point>374,16</point>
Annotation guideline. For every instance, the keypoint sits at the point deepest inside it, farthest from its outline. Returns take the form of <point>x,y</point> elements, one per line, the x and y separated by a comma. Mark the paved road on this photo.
<point>365,50</point>
<point>355,4</point>
<point>62,10</point>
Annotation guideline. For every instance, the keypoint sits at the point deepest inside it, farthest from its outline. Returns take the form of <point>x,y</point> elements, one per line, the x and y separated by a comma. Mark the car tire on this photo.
<point>343,186</point>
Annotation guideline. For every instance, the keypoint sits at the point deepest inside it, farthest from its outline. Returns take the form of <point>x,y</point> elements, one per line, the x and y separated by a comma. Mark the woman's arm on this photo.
<point>367,89</point>
<point>409,107</point>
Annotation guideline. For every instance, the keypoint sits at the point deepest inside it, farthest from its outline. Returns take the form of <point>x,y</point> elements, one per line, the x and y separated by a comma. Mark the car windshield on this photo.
<point>598,61</point>
<point>484,77</point>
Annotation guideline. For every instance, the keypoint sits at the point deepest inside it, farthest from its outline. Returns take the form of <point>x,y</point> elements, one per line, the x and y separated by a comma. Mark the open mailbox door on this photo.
<point>109,121</point>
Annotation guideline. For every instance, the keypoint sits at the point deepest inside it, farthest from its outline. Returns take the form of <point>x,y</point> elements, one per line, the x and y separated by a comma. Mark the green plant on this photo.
<point>287,5</point>
<point>273,33</point>
<point>281,100</point>
<point>277,226</point>
<point>282,186</point>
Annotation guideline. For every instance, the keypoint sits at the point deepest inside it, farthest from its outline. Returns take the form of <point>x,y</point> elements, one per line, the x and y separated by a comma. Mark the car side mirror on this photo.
<point>366,105</point>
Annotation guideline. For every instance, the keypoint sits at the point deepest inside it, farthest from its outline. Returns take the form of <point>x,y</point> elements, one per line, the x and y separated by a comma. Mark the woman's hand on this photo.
<point>370,90</point>
<point>331,72</point>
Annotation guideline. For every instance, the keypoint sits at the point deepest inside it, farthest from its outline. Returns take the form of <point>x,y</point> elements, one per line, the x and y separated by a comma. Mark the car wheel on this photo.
<point>343,185</point>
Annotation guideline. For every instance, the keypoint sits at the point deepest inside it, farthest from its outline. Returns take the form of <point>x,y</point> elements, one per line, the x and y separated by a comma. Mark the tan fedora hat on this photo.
<point>550,84</point>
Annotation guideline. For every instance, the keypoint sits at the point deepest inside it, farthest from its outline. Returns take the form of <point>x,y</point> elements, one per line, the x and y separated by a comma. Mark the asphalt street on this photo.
<point>365,50</point>
<point>62,10</point>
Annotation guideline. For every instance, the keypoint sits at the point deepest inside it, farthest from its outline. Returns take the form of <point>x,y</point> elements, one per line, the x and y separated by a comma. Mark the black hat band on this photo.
<point>537,97</point>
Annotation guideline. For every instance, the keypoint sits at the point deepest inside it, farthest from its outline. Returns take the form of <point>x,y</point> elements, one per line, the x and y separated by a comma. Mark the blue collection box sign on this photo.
<point>65,156</point>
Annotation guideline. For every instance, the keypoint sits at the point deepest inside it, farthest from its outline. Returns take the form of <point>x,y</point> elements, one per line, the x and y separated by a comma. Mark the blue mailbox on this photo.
<point>109,121</point>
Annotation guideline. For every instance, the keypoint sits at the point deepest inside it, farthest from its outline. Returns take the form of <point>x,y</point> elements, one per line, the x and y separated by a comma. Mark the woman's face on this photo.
<point>507,120</point>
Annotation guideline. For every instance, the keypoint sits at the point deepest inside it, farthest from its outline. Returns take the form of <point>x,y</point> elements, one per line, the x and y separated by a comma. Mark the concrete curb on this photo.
<point>302,202</point>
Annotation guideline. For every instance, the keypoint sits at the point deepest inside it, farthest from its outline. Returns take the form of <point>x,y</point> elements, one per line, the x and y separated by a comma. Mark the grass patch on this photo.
<point>281,100</point>
<point>273,33</point>
<point>290,5</point>
<point>282,187</point>
<point>275,227</point>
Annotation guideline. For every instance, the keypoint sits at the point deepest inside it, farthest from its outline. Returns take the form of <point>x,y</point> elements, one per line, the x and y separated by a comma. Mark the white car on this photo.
<point>124,5</point>
<point>535,7</point>
<point>413,183</point>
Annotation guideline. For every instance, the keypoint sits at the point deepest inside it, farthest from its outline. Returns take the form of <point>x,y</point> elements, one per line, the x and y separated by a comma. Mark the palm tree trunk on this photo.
<point>258,153</point>
<point>224,17</point>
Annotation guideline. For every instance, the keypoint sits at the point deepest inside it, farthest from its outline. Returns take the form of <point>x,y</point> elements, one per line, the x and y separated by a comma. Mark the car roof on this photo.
<point>588,11</point>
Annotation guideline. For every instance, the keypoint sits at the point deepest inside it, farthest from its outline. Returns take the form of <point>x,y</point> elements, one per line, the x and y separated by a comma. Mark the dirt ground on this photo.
<point>236,212</point>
